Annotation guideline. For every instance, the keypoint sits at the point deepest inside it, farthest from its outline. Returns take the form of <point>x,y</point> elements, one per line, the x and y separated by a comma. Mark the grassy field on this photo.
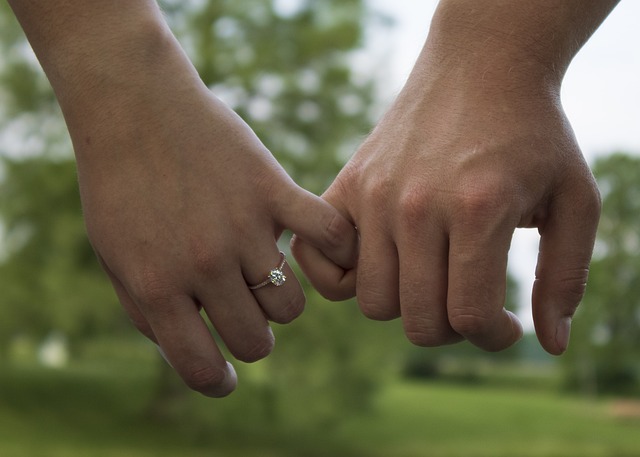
<point>446,421</point>
<point>100,413</point>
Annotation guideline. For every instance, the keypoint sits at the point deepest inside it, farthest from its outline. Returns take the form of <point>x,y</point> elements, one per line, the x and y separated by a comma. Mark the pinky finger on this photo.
<point>332,281</point>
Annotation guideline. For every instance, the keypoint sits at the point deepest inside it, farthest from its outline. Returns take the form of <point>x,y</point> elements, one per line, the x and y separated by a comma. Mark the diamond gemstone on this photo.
<point>277,277</point>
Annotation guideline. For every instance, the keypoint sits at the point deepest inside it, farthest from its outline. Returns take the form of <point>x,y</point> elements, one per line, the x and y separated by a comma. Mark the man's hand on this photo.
<point>475,146</point>
<point>436,196</point>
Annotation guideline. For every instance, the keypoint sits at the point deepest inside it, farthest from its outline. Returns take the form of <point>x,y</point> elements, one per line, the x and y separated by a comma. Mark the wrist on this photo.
<point>467,46</point>
<point>508,46</point>
<point>117,61</point>
<point>103,56</point>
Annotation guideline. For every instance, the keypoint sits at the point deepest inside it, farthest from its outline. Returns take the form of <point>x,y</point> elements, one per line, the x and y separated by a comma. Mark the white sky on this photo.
<point>601,93</point>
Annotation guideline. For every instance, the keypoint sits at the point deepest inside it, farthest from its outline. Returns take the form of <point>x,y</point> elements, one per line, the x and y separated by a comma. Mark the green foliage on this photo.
<point>50,280</point>
<point>604,357</point>
<point>288,75</point>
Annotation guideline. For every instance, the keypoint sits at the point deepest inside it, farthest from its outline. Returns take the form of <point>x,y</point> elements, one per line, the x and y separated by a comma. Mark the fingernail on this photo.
<point>228,385</point>
<point>516,325</point>
<point>232,376</point>
<point>563,331</point>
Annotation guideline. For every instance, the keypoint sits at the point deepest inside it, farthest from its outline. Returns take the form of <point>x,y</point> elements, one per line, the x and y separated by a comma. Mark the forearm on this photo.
<point>104,57</point>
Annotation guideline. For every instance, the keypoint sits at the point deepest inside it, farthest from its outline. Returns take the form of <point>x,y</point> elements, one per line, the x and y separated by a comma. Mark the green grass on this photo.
<point>99,411</point>
<point>437,420</point>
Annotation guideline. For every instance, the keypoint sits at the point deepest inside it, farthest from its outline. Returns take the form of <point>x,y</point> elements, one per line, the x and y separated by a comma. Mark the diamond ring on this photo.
<point>275,276</point>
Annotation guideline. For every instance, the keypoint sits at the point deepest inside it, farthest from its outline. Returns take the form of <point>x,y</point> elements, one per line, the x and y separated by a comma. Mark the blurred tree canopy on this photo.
<point>286,71</point>
<point>605,350</point>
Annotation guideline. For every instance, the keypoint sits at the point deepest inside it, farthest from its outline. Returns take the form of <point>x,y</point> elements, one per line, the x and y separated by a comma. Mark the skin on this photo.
<point>476,145</point>
<point>183,204</point>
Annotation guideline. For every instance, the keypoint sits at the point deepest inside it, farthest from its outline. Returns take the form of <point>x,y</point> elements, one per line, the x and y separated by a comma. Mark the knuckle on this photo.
<point>208,262</point>
<point>423,335</point>
<point>378,189</point>
<point>258,349</point>
<point>480,201</point>
<point>413,205</point>
<point>152,288</point>
<point>585,199</point>
<point>483,209</point>
<point>378,309</point>
<point>378,299</point>
<point>592,207</point>
<point>342,186</point>
<point>566,285</point>
<point>334,231</point>
<point>571,286</point>
<point>269,187</point>
<point>204,378</point>
<point>291,309</point>
<point>469,322</point>
<point>428,331</point>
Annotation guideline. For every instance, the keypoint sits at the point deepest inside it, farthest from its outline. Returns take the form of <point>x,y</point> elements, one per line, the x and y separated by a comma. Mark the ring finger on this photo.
<point>274,286</point>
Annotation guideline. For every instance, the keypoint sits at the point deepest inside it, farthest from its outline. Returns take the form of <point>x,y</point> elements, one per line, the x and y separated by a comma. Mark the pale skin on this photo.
<point>182,202</point>
<point>476,145</point>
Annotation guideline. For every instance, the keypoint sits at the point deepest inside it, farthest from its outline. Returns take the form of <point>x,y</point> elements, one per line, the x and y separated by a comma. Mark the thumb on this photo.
<point>566,245</point>
<point>325,243</point>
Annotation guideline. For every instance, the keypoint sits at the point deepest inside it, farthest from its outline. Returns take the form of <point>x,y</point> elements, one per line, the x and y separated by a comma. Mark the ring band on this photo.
<point>275,276</point>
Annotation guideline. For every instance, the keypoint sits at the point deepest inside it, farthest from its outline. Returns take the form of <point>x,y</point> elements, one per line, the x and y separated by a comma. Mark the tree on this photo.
<point>50,279</point>
<point>603,357</point>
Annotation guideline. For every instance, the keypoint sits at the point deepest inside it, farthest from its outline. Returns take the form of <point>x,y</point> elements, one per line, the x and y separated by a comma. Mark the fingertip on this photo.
<point>518,329</point>
<point>209,379</point>
<point>320,224</point>
<point>556,296</point>
<point>224,388</point>
<point>491,334</point>
<point>563,333</point>
<point>232,378</point>
<point>219,385</point>
<point>511,337</point>
<point>554,338</point>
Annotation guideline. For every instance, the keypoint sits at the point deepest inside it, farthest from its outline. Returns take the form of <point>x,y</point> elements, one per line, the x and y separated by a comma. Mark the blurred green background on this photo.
<point>76,379</point>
